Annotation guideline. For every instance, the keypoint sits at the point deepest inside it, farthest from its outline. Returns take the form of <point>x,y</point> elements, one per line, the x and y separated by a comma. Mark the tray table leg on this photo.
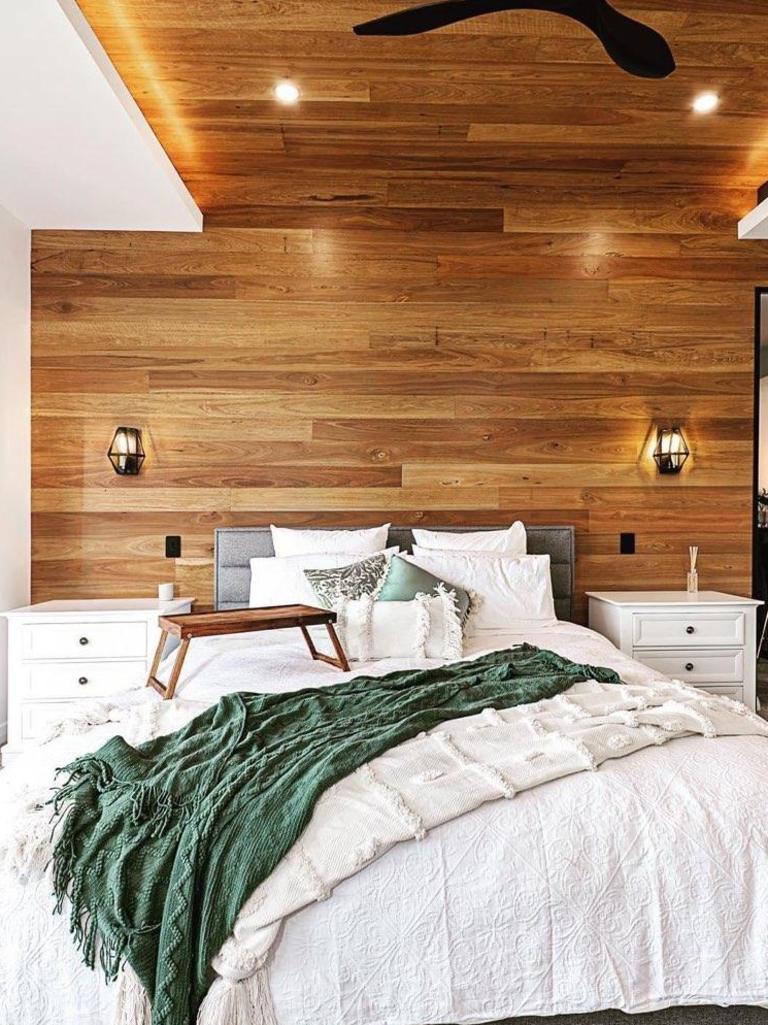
<point>166,691</point>
<point>340,662</point>
<point>152,680</point>
<point>341,655</point>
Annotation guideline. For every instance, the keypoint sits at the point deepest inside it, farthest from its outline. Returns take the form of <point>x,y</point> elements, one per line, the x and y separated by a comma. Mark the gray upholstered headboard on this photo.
<point>234,547</point>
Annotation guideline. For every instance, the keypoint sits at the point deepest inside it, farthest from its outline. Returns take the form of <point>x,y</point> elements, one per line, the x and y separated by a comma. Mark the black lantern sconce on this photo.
<point>126,453</point>
<point>671,450</point>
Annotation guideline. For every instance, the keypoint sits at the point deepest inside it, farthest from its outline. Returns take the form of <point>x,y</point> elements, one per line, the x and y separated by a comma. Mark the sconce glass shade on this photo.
<point>126,453</point>
<point>671,450</point>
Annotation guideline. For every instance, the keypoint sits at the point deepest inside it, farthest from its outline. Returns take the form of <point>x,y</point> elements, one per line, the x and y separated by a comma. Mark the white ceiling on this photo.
<point>75,150</point>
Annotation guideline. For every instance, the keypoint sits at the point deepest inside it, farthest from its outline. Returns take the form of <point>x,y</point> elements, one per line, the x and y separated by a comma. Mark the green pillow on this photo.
<point>404,581</point>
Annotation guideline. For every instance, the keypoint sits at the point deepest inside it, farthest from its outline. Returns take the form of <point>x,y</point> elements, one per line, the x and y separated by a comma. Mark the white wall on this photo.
<point>14,429</point>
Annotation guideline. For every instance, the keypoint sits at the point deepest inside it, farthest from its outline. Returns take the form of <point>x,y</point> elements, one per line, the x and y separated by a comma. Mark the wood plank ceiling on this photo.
<point>459,281</point>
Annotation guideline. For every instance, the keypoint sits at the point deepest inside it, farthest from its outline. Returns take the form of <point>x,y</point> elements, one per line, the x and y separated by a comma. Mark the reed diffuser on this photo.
<point>693,573</point>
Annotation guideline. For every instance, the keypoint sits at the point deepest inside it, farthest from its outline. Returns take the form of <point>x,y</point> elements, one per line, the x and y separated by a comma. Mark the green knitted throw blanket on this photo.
<point>159,846</point>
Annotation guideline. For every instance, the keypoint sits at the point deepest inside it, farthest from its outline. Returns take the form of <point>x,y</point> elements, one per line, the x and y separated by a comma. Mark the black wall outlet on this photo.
<point>172,546</point>
<point>627,544</point>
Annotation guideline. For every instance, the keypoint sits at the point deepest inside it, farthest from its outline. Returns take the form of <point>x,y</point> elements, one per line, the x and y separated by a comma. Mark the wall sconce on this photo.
<point>671,450</point>
<point>126,453</point>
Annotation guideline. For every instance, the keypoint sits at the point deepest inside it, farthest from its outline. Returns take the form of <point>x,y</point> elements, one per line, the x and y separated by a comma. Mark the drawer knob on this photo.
<point>690,629</point>
<point>83,640</point>
<point>689,667</point>
<point>83,680</point>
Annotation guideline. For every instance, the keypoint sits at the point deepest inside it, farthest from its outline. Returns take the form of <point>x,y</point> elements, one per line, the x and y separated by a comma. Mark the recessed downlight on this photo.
<point>706,102</point>
<point>287,92</point>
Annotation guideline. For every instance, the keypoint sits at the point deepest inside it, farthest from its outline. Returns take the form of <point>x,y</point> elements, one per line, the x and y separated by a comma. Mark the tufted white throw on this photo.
<point>402,795</point>
<point>447,773</point>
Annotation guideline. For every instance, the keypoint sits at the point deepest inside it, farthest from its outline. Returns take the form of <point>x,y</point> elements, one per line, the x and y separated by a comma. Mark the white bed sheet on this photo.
<point>640,886</point>
<point>278,660</point>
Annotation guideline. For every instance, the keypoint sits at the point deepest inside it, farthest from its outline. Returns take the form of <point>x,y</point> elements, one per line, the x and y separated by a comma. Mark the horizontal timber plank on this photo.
<point>456,478</point>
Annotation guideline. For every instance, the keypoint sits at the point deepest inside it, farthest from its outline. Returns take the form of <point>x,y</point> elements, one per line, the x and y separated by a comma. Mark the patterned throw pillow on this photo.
<point>332,586</point>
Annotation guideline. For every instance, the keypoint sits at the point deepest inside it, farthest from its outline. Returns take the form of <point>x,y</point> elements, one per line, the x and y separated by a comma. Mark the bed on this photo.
<point>638,887</point>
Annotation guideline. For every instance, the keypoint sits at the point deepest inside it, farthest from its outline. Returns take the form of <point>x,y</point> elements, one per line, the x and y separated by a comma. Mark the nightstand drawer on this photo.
<point>736,693</point>
<point>687,629</point>
<point>92,640</point>
<point>38,716</point>
<point>696,667</point>
<point>44,680</point>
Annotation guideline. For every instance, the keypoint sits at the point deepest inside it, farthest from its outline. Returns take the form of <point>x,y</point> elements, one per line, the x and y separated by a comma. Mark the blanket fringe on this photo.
<point>453,637</point>
<point>132,1006</point>
<point>423,625</point>
<point>68,881</point>
<point>85,770</point>
<point>238,1002</point>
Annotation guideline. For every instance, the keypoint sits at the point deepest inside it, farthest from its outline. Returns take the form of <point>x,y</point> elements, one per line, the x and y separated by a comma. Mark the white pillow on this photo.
<point>511,541</point>
<point>427,627</point>
<point>512,590</point>
<point>280,580</point>
<point>287,541</point>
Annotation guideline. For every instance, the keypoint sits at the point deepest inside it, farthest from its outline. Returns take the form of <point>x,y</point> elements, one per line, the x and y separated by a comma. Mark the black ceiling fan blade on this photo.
<point>427,17</point>
<point>635,47</point>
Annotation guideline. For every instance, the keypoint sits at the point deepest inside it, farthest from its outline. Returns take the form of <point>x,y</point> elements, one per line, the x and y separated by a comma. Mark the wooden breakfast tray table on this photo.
<point>238,621</point>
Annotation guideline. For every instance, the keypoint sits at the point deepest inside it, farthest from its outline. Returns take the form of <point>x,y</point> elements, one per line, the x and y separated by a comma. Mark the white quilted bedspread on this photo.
<point>641,885</point>
<point>634,887</point>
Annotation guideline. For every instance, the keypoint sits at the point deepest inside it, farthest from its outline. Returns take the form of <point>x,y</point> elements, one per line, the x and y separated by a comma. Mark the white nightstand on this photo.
<point>63,652</point>
<point>707,639</point>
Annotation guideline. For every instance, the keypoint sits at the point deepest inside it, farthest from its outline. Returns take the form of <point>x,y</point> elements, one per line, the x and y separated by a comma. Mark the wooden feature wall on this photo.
<point>459,283</point>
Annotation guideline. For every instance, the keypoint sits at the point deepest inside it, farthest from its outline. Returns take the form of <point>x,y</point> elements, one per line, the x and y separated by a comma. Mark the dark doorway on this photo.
<point>760,477</point>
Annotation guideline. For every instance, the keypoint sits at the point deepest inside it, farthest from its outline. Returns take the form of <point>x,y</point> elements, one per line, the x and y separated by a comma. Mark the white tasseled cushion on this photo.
<point>426,627</point>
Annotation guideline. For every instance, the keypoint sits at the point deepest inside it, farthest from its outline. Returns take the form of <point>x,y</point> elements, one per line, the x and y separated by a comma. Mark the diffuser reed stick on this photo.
<point>693,573</point>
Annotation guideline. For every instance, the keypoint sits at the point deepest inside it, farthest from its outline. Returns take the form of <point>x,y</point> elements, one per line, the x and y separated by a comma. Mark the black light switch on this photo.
<point>172,546</point>
<point>627,544</point>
